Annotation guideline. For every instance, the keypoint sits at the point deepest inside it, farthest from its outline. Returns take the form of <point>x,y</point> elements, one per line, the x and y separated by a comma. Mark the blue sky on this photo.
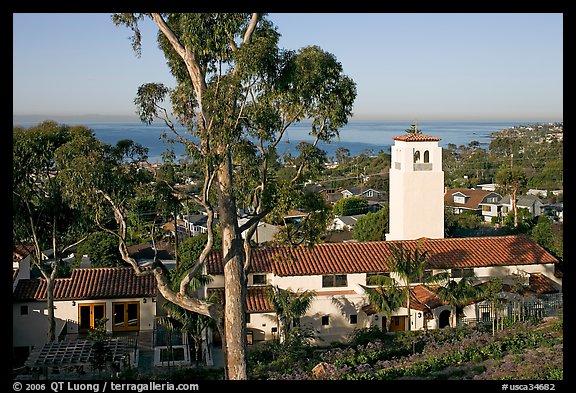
<point>425,66</point>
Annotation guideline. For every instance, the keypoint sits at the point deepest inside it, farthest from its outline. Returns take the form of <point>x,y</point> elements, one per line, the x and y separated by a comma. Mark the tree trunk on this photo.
<point>408,307</point>
<point>235,288</point>
<point>515,208</point>
<point>50,304</point>
<point>176,242</point>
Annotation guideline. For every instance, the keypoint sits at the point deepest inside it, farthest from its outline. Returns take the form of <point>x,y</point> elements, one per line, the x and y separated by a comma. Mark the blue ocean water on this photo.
<point>359,136</point>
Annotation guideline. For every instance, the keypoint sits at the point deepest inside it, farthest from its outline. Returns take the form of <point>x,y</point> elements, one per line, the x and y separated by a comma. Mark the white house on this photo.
<point>532,203</point>
<point>344,223</point>
<point>485,203</point>
<point>337,272</point>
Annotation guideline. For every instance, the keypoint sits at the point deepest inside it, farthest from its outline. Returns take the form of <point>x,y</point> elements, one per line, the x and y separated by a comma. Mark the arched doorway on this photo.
<point>444,319</point>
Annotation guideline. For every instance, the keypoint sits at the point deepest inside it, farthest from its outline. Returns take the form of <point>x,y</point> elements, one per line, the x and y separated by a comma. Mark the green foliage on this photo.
<point>363,336</point>
<point>311,227</point>
<point>467,219</point>
<point>525,222</point>
<point>99,338</point>
<point>350,206</point>
<point>372,226</point>
<point>189,251</point>
<point>545,236</point>
<point>102,249</point>
<point>289,307</point>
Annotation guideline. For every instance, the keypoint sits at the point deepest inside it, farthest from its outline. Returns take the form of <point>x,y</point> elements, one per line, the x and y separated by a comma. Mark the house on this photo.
<point>264,232</point>
<point>344,223</point>
<point>554,210</point>
<point>21,264</point>
<point>487,186</point>
<point>366,193</point>
<point>532,203</point>
<point>195,224</point>
<point>337,272</point>
<point>295,217</point>
<point>485,203</point>
<point>126,300</point>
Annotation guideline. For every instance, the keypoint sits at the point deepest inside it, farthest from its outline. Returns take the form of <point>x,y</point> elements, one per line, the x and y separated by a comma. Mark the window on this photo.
<point>459,273</point>
<point>353,319</point>
<point>334,280</point>
<point>417,156</point>
<point>426,156</point>
<point>23,310</point>
<point>89,315</point>
<point>258,279</point>
<point>250,337</point>
<point>459,199</point>
<point>126,316</point>
<point>325,320</point>
<point>274,329</point>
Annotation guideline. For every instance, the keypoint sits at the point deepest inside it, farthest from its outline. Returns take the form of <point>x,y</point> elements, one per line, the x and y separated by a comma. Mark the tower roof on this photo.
<point>416,137</point>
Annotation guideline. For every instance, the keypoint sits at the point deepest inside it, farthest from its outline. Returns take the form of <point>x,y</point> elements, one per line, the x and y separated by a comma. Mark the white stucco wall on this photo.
<point>30,330</point>
<point>416,196</point>
<point>314,282</point>
<point>262,325</point>
<point>338,309</point>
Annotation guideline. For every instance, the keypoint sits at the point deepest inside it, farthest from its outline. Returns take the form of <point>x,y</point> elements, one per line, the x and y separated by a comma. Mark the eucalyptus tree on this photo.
<point>236,95</point>
<point>40,215</point>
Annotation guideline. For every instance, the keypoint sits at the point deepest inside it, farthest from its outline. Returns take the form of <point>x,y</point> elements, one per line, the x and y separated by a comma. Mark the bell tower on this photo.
<point>416,187</point>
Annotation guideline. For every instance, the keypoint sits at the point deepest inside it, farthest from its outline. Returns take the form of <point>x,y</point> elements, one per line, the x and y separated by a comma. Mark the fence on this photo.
<point>516,310</point>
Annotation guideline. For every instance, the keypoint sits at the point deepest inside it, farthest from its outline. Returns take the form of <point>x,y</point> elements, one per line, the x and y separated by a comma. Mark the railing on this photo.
<point>522,310</point>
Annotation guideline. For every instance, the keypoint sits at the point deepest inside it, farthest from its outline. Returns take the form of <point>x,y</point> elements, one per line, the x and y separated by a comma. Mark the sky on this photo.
<point>425,66</point>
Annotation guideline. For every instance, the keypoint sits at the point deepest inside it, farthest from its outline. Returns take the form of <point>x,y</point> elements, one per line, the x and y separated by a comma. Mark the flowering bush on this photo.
<point>524,351</point>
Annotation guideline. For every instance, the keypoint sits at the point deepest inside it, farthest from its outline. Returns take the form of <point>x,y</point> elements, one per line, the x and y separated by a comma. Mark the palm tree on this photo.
<point>409,266</point>
<point>171,325</point>
<point>289,307</point>
<point>491,292</point>
<point>189,323</point>
<point>512,180</point>
<point>386,297</point>
<point>457,294</point>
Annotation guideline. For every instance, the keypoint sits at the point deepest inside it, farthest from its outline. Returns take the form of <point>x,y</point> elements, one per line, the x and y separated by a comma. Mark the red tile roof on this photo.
<point>91,283</point>
<point>423,299</point>
<point>20,252</point>
<point>371,257</point>
<point>411,137</point>
<point>256,299</point>
<point>541,284</point>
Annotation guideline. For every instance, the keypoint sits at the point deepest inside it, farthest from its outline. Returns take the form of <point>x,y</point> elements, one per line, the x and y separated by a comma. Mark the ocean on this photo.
<point>358,136</point>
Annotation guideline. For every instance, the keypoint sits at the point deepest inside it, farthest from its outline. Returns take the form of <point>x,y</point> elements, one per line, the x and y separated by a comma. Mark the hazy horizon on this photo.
<point>95,118</point>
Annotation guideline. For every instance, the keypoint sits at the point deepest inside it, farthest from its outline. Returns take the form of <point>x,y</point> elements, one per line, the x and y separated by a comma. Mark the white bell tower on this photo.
<point>416,187</point>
